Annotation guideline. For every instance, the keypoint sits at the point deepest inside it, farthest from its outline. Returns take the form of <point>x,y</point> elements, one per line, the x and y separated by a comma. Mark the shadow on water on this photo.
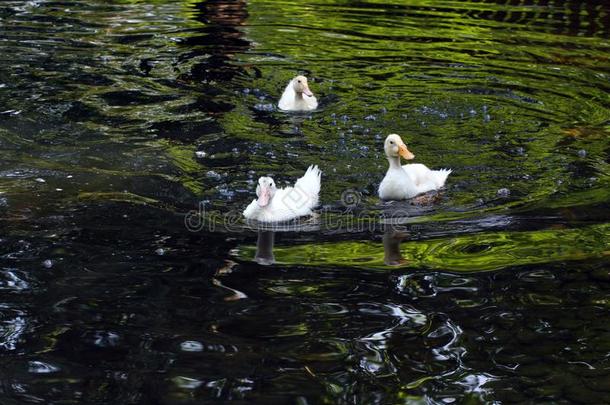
<point>219,40</point>
<point>119,121</point>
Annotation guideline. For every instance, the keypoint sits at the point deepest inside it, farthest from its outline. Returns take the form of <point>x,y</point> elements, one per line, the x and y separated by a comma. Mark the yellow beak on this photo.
<point>405,153</point>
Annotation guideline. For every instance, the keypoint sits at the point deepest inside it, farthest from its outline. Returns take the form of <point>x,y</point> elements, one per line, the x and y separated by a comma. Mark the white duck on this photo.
<point>297,96</point>
<point>284,204</point>
<point>403,182</point>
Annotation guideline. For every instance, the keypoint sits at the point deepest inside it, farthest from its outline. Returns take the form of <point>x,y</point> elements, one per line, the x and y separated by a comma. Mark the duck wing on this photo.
<point>309,185</point>
<point>287,100</point>
<point>425,178</point>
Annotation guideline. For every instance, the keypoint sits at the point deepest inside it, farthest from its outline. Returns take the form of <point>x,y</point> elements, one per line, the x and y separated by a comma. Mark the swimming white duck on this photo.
<point>403,182</point>
<point>284,204</point>
<point>297,96</point>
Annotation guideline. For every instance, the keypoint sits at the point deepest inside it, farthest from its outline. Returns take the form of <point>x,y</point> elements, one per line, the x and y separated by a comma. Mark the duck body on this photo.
<point>297,96</point>
<point>284,204</point>
<point>404,182</point>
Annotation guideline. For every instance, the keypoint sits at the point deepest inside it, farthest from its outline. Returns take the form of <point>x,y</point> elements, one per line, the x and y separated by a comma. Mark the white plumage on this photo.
<point>274,205</point>
<point>410,180</point>
<point>297,96</point>
<point>403,182</point>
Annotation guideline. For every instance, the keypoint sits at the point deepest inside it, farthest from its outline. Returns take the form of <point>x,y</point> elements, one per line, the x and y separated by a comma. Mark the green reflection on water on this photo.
<point>468,253</point>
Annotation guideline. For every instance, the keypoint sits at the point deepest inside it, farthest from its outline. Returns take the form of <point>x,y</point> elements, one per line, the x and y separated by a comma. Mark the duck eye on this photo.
<point>392,142</point>
<point>299,81</point>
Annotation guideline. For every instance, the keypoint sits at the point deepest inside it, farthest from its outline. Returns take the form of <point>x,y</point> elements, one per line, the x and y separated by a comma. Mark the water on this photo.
<point>119,118</point>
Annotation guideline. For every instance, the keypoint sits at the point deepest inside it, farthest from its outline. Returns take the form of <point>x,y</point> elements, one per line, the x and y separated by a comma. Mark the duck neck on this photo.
<point>394,162</point>
<point>298,96</point>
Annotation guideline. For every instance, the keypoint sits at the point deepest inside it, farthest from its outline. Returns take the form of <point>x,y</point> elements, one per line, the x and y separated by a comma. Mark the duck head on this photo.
<point>395,147</point>
<point>265,190</point>
<point>300,86</point>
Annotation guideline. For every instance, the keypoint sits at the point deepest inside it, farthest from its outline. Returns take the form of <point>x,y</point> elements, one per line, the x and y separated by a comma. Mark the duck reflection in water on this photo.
<point>397,223</point>
<point>265,241</point>
<point>219,40</point>
<point>264,248</point>
<point>392,237</point>
<point>391,246</point>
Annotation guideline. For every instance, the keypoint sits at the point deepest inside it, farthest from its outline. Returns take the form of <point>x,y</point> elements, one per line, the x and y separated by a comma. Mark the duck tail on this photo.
<point>440,176</point>
<point>310,183</point>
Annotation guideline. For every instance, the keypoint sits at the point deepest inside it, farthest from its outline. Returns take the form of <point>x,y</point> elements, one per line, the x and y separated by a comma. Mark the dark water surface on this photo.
<point>117,118</point>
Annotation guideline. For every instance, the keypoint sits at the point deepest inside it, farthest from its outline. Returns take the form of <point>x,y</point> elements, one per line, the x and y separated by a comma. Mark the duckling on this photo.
<point>297,96</point>
<point>404,182</point>
<point>274,205</point>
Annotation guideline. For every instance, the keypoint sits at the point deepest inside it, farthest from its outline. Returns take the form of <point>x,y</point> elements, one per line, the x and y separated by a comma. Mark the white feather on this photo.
<point>410,180</point>
<point>290,202</point>
<point>407,181</point>
<point>291,102</point>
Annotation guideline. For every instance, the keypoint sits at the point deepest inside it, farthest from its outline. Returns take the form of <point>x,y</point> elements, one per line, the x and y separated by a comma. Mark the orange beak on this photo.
<point>405,153</point>
<point>306,91</point>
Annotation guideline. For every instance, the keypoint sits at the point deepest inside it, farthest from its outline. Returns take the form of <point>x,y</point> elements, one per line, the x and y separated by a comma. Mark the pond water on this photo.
<point>123,124</point>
